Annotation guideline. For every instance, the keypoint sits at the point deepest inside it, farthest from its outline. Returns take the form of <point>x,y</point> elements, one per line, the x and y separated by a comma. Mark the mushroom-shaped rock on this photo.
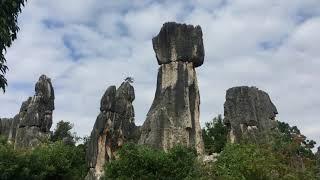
<point>179,42</point>
<point>173,118</point>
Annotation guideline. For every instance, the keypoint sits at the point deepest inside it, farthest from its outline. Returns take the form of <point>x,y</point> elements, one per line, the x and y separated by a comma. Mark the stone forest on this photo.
<point>248,143</point>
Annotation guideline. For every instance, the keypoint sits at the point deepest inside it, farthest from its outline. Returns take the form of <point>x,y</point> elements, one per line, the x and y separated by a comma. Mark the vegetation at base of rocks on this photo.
<point>48,161</point>
<point>256,161</point>
<point>142,162</point>
<point>214,135</point>
<point>51,160</point>
<point>9,11</point>
<point>286,154</point>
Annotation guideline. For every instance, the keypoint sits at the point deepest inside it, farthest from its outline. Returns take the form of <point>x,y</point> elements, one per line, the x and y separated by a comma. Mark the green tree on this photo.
<point>48,161</point>
<point>9,10</point>
<point>246,161</point>
<point>63,132</point>
<point>214,135</point>
<point>141,162</point>
<point>57,161</point>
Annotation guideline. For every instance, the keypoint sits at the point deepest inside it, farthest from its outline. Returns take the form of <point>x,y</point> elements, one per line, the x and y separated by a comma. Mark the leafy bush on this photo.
<point>48,161</point>
<point>141,162</point>
<point>247,161</point>
<point>214,135</point>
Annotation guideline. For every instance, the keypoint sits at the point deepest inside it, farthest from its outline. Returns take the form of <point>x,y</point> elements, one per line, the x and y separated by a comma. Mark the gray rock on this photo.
<point>29,137</point>
<point>6,126</point>
<point>35,117</point>
<point>37,111</point>
<point>248,110</point>
<point>32,124</point>
<point>113,127</point>
<point>174,115</point>
<point>179,42</point>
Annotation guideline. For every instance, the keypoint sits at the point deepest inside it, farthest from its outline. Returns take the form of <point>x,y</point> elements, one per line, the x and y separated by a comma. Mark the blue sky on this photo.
<point>86,46</point>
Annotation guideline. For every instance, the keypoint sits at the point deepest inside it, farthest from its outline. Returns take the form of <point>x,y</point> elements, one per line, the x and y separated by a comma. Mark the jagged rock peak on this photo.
<point>37,110</point>
<point>44,89</point>
<point>35,117</point>
<point>248,110</point>
<point>113,127</point>
<point>179,42</point>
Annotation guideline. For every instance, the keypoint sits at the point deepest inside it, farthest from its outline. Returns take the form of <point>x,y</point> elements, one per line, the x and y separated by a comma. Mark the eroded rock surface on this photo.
<point>248,110</point>
<point>114,126</point>
<point>33,122</point>
<point>179,42</point>
<point>174,115</point>
<point>35,116</point>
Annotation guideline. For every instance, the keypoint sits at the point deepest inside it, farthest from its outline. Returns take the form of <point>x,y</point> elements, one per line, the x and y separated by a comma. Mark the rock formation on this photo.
<point>248,110</point>
<point>8,127</point>
<point>174,115</point>
<point>34,120</point>
<point>114,126</point>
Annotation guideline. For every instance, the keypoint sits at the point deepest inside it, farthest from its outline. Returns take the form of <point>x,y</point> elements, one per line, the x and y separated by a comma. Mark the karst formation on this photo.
<point>114,126</point>
<point>173,118</point>
<point>32,124</point>
<point>174,115</point>
<point>248,111</point>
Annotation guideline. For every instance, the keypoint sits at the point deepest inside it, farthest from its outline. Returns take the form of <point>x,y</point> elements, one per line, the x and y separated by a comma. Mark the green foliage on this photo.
<point>141,162</point>
<point>214,135</point>
<point>9,10</point>
<point>62,132</point>
<point>286,154</point>
<point>246,161</point>
<point>48,161</point>
<point>292,135</point>
<point>12,163</point>
<point>57,161</point>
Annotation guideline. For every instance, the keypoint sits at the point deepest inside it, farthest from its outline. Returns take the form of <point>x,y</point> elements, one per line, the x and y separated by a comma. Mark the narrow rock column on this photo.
<point>248,111</point>
<point>174,115</point>
<point>113,127</point>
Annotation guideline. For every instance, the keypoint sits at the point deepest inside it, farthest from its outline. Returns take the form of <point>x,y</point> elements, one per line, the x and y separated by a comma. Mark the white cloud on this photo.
<point>87,46</point>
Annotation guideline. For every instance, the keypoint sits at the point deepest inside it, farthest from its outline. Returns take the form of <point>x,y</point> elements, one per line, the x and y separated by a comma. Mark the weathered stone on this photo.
<point>5,126</point>
<point>174,115</point>
<point>28,137</point>
<point>35,117</point>
<point>248,110</point>
<point>37,111</point>
<point>32,124</point>
<point>179,42</point>
<point>114,126</point>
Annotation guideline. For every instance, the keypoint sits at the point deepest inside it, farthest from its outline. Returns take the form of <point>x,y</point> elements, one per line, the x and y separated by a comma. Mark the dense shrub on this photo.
<point>141,162</point>
<point>214,135</point>
<point>48,161</point>
<point>247,161</point>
